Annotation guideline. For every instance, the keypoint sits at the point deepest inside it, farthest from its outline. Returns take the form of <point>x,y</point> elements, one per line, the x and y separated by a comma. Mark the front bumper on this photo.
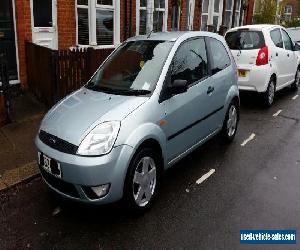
<point>79,172</point>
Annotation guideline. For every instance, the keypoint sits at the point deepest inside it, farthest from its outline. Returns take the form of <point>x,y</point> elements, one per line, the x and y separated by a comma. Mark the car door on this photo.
<point>186,113</point>
<point>291,58</point>
<point>278,56</point>
<point>223,77</point>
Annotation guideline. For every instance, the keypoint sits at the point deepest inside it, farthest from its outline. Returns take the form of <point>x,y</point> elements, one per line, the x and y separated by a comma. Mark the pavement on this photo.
<point>255,185</point>
<point>17,150</point>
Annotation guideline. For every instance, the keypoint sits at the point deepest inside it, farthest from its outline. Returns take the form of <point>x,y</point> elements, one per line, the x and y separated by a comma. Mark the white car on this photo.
<point>266,58</point>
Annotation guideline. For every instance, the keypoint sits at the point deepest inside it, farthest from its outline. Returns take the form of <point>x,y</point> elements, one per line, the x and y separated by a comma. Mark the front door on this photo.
<point>7,38</point>
<point>44,30</point>
<point>187,113</point>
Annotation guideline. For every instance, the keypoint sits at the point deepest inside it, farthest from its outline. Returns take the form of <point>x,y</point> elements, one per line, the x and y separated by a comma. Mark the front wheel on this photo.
<point>230,123</point>
<point>142,180</point>
<point>268,96</point>
<point>295,84</point>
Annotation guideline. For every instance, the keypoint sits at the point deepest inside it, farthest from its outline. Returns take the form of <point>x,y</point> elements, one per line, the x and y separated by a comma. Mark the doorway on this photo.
<point>8,46</point>
<point>44,23</point>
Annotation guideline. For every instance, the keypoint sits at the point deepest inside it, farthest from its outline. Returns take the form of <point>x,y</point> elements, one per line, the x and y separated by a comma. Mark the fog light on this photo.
<point>101,191</point>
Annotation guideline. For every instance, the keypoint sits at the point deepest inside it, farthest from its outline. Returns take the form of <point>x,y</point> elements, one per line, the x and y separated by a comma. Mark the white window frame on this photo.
<point>92,10</point>
<point>237,14</point>
<point>288,15</point>
<point>211,13</point>
<point>231,11</point>
<point>150,11</point>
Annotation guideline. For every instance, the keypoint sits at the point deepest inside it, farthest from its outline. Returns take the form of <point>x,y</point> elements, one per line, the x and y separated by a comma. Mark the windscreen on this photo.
<point>134,67</point>
<point>245,40</point>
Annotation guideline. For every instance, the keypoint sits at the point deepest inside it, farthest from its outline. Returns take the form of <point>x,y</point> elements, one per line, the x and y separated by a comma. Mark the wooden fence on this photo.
<point>53,74</point>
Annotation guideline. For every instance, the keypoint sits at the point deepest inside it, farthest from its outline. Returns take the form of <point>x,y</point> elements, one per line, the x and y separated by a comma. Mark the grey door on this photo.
<point>7,37</point>
<point>188,114</point>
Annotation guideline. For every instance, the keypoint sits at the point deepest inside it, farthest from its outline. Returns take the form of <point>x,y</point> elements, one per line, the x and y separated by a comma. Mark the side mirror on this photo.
<point>178,86</point>
<point>297,46</point>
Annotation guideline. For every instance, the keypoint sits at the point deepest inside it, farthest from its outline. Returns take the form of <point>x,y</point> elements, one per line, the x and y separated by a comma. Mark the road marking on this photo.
<point>278,112</point>
<point>295,97</point>
<point>205,176</point>
<point>251,137</point>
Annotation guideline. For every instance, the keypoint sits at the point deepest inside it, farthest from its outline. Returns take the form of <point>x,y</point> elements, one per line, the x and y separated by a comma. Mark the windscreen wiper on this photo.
<point>135,92</point>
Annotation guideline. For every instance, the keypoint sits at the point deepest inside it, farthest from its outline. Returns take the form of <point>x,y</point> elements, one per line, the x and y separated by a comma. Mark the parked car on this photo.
<point>266,59</point>
<point>294,34</point>
<point>153,101</point>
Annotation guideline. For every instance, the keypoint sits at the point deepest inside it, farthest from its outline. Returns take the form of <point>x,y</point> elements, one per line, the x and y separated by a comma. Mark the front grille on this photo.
<point>57,143</point>
<point>60,185</point>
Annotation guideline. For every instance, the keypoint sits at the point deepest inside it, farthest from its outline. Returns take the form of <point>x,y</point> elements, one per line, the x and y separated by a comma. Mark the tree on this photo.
<point>265,12</point>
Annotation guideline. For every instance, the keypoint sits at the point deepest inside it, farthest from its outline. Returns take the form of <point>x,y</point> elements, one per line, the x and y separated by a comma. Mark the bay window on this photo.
<point>151,15</point>
<point>98,22</point>
<point>229,11</point>
<point>211,13</point>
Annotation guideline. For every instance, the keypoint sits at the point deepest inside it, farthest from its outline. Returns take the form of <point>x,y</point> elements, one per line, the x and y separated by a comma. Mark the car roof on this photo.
<point>257,27</point>
<point>173,35</point>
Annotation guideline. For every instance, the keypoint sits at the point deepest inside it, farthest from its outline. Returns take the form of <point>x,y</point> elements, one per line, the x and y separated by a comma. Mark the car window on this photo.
<point>276,38</point>
<point>245,40</point>
<point>190,61</point>
<point>219,56</point>
<point>287,41</point>
<point>294,34</point>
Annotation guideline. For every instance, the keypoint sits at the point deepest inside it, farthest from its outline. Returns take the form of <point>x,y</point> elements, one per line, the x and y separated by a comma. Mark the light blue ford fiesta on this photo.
<point>154,100</point>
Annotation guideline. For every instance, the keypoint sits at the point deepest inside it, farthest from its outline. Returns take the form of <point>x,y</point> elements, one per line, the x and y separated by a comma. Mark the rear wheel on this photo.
<point>142,180</point>
<point>230,123</point>
<point>295,84</point>
<point>268,96</point>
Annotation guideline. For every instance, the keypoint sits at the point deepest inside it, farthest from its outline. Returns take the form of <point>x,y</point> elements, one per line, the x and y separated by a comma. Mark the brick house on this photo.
<point>290,10</point>
<point>102,24</point>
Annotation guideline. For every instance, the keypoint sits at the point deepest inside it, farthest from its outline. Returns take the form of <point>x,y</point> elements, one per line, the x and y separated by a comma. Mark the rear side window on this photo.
<point>276,38</point>
<point>245,40</point>
<point>218,54</point>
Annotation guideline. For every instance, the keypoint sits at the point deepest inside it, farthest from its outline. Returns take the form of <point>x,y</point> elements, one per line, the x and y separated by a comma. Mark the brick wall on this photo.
<point>66,23</point>
<point>23,29</point>
<point>197,15</point>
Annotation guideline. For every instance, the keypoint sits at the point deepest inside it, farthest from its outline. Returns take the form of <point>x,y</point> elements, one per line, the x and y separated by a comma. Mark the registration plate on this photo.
<point>242,73</point>
<point>49,164</point>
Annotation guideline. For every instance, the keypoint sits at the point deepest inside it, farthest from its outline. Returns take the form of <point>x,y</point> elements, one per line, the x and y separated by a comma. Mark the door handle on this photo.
<point>210,90</point>
<point>288,55</point>
<point>276,54</point>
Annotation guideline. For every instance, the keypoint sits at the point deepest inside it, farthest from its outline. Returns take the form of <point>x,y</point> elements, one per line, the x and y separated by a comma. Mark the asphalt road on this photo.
<point>255,186</point>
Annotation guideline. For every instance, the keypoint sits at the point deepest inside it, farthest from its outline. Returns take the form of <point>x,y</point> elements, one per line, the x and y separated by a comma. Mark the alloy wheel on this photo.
<point>297,77</point>
<point>232,121</point>
<point>144,181</point>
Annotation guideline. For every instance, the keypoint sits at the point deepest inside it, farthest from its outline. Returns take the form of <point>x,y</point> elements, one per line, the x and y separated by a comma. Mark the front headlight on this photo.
<point>100,140</point>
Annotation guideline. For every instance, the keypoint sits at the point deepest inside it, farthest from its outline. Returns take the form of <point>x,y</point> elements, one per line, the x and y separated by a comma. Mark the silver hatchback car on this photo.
<point>152,101</point>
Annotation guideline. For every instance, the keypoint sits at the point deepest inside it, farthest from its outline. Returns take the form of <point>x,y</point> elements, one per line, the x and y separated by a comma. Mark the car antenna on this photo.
<point>150,34</point>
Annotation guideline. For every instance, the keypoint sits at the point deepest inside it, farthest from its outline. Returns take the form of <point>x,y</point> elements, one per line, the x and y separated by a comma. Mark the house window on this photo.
<point>175,17</point>
<point>237,13</point>
<point>211,13</point>
<point>288,12</point>
<point>204,16</point>
<point>228,13</point>
<point>151,15</point>
<point>98,22</point>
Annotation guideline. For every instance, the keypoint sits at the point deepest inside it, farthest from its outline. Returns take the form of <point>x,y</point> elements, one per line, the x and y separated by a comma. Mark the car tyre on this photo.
<point>142,181</point>
<point>231,122</point>
<point>268,96</point>
<point>295,84</point>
